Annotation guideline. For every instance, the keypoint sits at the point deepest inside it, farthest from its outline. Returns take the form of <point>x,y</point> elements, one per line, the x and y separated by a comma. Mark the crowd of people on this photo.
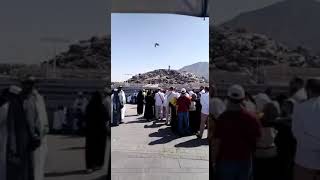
<point>24,127</point>
<point>186,112</point>
<point>266,136</point>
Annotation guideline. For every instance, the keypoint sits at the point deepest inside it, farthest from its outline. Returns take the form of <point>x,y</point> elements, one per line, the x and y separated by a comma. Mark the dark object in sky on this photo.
<point>156,44</point>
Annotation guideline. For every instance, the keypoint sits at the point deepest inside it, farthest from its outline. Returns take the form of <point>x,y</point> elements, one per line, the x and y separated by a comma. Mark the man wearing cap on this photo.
<point>183,104</point>
<point>305,127</point>
<point>235,137</point>
<point>36,114</point>
<point>204,101</point>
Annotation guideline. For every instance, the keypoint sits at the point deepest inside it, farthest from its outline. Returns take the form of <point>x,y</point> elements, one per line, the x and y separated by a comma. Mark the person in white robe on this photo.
<point>35,109</point>
<point>59,119</point>
<point>123,100</point>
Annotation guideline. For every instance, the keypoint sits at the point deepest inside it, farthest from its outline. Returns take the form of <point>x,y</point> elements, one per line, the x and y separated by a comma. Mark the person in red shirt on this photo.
<point>183,104</point>
<point>235,137</point>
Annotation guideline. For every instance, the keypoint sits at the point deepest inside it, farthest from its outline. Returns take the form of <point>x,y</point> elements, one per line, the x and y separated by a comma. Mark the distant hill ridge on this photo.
<point>200,69</point>
<point>292,22</point>
<point>165,76</point>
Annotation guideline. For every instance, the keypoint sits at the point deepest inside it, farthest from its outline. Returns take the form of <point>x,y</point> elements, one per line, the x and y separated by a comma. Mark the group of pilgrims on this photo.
<point>186,112</point>
<point>266,136</point>
<point>24,128</point>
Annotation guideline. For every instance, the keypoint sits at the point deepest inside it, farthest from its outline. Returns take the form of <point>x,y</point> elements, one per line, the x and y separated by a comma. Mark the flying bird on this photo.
<point>156,44</point>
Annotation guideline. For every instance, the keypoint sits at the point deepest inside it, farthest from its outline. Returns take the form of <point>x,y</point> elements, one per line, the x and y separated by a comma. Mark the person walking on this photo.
<point>305,127</point>
<point>159,101</point>
<point>36,114</point>
<point>183,104</point>
<point>96,133</point>
<point>204,100</point>
<point>235,137</point>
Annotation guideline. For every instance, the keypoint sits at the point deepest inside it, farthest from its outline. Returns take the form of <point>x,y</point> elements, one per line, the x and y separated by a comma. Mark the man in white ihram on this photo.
<point>159,101</point>
<point>305,127</point>
<point>123,99</point>
<point>37,118</point>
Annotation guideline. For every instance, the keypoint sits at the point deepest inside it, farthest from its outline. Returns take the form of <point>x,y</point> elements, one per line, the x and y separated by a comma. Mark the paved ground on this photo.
<point>66,160</point>
<point>143,150</point>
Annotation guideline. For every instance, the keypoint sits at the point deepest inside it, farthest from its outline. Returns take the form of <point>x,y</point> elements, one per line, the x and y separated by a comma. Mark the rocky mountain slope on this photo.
<point>161,76</point>
<point>94,53</point>
<point>200,69</point>
<point>293,22</point>
<point>240,50</point>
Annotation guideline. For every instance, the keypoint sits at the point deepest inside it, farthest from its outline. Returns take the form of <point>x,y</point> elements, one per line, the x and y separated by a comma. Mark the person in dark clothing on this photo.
<point>19,141</point>
<point>285,142</point>
<point>96,133</point>
<point>174,118</point>
<point>116,108</point>
<point>149,108</point>
<point>140,102</point>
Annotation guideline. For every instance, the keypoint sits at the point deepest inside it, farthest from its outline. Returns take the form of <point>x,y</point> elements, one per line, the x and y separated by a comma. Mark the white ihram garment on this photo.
<point>122,97</point>
<point>37,116</point>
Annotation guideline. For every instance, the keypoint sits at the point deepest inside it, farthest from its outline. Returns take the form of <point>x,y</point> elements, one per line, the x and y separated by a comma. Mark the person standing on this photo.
<point>16,142</point>
<point>204,100</point>
<point>235,137</point>
<point>116,108</point>
<point>79,108</point>
<point>140,102</point>
<point>169,96</point>
<point>4,106</point>
<point>148,113</point>
<point>96,133</point>
<point>305,127</point>
<point>193,114</point>
<point>159,100</point>
<point>183,104</point>
<point>123,101</point>
<point>35,109</point>
<point>297,90</point>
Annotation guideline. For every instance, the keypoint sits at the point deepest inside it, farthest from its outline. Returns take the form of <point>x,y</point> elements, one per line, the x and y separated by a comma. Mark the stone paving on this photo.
<point>143,150</point>
<point>66,160</point>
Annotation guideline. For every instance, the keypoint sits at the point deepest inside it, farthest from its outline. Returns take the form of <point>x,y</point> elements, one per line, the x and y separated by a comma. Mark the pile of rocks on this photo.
<point>163,76</point>
<point>94,53</point>
<point>238,49</point>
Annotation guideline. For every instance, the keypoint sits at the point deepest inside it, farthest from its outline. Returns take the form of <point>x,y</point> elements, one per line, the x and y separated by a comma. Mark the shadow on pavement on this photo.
<point>165,134</point>
<point>58,174</point>
<point>193,143</point>
<point>132,115</point>
<point>72,136</point>
<point>153,125</point>
<point>73,148</point>
<point>104,177</point>
<point>137,121</point>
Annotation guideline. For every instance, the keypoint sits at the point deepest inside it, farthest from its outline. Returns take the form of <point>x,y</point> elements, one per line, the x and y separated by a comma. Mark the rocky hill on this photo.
<point>200,69</point>
<point>240,50</point>
<point>293,22</point>
<point>164,76</point>
<point>94,53</point>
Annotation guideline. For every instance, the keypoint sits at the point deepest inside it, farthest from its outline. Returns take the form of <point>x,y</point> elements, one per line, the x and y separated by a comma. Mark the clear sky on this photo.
<point>183,41</point>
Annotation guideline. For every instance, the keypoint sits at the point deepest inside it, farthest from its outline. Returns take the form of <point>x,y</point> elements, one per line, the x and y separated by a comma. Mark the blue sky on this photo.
<point>183,40</point>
